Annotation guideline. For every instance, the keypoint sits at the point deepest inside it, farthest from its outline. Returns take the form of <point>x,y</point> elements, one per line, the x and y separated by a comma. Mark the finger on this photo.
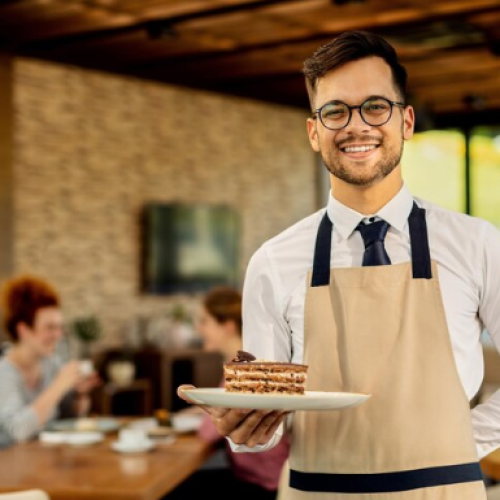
<point>259,434</point>
<point>271,431</point>
<point>217,413</point>
<point>227,420</point>
<point>185,397</point>
<point>208,409</point>
<point>242,432</point>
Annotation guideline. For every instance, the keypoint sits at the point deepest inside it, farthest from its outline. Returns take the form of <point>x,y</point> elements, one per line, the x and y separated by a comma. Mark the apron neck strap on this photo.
<point>419,241</point>
<point>322,252</point>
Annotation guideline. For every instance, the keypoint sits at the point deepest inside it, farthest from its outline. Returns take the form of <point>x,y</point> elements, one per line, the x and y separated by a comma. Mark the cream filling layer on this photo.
<point>263,374</point>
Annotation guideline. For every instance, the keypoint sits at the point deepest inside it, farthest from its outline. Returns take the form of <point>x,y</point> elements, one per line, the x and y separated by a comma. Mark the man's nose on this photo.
<point>356,121</point>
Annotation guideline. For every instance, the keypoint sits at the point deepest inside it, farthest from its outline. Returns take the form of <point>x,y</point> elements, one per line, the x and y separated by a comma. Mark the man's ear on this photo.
<point>409,123</point>
<point>312,132</point>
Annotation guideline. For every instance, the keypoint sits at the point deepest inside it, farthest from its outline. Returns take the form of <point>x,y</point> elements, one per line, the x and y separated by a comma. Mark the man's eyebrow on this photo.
<point>374,96</point>
<point>378,97</point>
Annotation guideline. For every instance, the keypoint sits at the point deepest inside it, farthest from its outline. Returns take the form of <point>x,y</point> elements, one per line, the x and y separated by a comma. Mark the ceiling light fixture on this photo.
<point>475,101</point>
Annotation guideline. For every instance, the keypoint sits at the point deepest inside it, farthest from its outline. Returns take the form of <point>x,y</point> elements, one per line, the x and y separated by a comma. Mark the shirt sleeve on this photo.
<point>18,419</point>
<point>486,417</point>
<point>266,333</point>
<point>241,448</point>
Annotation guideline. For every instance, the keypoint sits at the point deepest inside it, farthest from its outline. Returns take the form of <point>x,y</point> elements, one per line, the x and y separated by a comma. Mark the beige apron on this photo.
<point>382,331</point>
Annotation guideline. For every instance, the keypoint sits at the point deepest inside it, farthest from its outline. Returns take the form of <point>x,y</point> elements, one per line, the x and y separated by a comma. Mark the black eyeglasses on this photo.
<point>375,111</point>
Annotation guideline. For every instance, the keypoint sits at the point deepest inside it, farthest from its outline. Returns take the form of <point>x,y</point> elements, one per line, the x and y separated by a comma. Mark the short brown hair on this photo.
<point>352,46</point>
<point>224,304</point>
<point>21,298</point>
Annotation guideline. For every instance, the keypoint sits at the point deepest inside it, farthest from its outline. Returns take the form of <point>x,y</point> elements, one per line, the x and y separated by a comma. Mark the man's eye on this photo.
<point>332,113</point>
<point>376,106</point>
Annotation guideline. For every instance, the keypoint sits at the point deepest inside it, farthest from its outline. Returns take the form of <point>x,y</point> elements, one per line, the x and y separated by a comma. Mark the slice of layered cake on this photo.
<point>246,374</point>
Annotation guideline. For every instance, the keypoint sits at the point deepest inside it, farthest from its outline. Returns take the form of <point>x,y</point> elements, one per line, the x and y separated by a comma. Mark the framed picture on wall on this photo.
<point>189,248</point>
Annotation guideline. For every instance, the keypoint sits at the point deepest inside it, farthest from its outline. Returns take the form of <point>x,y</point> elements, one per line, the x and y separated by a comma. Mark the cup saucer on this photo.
<point>141,447</point>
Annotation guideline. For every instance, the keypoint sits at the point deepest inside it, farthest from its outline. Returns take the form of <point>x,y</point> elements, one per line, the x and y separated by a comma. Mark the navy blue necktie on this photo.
<point>373,237</point>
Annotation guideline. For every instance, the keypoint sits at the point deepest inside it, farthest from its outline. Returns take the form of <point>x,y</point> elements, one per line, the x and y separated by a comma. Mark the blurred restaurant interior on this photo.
<point>149,147</point>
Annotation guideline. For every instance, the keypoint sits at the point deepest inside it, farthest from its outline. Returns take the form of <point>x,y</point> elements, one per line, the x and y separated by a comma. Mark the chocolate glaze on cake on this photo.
<point>243,356</point>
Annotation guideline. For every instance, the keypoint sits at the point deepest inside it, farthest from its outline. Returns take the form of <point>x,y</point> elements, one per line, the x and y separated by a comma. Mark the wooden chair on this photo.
<point>25,495</point>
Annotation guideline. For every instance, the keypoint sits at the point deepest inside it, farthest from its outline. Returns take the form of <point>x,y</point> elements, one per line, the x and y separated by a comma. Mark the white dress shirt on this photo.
<point>467,252</point>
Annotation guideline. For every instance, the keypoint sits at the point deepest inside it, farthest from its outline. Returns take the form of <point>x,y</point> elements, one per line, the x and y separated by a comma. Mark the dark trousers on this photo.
<point>220,484</point>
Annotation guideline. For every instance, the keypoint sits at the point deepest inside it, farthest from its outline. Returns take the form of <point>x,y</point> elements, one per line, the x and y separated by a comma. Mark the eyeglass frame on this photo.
<point>317,112</point>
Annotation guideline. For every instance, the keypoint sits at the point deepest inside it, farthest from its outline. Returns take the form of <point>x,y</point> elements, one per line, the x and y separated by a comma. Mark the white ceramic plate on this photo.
<point>49,437</point>
<point>71,425</point>
<point>132,448</point>
<point>72,438</point>
<point>309,401</point>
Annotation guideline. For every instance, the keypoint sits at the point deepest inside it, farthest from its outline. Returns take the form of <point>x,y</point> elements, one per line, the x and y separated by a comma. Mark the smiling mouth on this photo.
<point>359,149</point>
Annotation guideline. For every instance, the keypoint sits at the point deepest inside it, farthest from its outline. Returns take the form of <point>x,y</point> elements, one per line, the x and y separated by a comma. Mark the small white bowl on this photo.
<point>84,438</point>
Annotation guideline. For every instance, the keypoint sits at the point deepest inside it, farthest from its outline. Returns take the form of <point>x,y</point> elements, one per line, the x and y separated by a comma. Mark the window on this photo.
<point>434,167</point>
<point>485,173</point>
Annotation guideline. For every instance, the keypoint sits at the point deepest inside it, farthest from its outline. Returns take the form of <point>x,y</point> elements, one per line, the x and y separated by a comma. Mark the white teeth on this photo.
<point>359,149</point>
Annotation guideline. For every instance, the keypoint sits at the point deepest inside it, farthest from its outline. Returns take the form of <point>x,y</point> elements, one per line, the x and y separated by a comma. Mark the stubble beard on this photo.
<point>360,175</point>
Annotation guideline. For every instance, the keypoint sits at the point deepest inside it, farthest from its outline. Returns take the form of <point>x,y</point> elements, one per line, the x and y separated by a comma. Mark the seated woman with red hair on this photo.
<point>34,383</point>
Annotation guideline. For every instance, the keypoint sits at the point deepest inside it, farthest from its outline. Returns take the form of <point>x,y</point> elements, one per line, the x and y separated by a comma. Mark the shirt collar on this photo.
<point>395,212</point>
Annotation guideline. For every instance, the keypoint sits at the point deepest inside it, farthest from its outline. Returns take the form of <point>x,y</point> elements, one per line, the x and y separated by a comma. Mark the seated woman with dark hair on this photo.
<point>252,475</point>
<point>34,383</point>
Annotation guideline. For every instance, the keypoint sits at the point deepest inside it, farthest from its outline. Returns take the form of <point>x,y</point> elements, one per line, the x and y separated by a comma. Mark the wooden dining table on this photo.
<point>96,472</point>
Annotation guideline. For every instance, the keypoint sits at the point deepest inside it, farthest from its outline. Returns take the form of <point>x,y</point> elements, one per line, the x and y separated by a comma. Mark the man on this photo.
<point>379,294</point>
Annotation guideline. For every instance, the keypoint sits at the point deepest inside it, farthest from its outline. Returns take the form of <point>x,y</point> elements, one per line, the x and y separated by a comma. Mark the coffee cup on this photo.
<point>86,367</point>
<point>132,437</point>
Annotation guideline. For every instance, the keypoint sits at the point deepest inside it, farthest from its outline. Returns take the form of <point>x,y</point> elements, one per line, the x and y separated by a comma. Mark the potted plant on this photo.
<point>87,330</point>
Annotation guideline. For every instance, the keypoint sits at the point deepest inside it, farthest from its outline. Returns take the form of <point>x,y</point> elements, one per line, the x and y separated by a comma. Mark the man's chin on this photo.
<point>358,181</point>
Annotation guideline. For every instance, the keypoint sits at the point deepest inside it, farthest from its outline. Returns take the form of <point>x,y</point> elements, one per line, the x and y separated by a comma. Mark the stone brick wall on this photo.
<point>90,149</point>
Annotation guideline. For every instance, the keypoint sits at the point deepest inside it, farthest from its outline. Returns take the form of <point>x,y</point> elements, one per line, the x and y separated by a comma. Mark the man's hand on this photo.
<point>242,426</point>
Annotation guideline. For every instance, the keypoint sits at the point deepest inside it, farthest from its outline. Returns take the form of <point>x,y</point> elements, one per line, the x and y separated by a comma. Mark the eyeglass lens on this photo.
<point>374,112</point>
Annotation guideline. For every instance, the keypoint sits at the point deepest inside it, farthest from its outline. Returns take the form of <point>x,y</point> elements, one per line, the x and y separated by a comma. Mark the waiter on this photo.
<point>379,293</point>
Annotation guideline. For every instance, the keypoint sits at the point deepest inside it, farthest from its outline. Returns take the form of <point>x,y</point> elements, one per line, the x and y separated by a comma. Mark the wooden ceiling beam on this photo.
<point>368,19</point>
<point>477,73</point>
<point>457,91</point>
<point>460,107</point>
<point>243,54</point>
<point>67,34</point>
<point>288,58</point>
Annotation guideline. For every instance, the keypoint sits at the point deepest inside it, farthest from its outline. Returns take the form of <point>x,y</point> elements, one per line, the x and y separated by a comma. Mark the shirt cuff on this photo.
<point>485,418</point>
<point>241,448</point>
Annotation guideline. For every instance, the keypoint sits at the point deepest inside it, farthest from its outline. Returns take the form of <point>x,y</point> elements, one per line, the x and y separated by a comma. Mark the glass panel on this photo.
<point>434,167</point>
<point>485,173</point>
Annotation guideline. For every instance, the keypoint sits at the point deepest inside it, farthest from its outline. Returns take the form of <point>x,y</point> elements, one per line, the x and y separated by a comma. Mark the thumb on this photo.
<point>185,397</point>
